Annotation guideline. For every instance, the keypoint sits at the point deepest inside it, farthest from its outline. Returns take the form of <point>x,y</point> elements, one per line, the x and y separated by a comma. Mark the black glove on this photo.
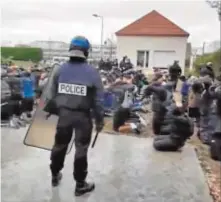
<point>99,126</point>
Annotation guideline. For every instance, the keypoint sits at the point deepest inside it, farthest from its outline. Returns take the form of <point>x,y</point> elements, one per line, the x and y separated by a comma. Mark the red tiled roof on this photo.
<point>152,24</point>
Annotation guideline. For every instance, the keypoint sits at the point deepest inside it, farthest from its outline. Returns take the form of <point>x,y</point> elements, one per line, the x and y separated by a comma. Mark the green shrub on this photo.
<point>22,53</point>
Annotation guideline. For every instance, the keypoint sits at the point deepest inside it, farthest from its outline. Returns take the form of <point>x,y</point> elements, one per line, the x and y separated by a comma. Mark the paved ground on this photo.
<point>125,169</point>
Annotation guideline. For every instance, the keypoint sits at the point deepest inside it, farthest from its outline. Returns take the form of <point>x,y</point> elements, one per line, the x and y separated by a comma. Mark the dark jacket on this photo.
<point>76,86</point>
<point>205,70</point>
<point>122,62</point>
<point>218,109</point>
<point>175,71</point>
<point>15,85</point>
<point>126,67</point>
<point>5,91</point>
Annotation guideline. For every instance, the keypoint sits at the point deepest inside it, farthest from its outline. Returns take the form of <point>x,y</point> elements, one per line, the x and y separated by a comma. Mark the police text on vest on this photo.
<point>72,89</point>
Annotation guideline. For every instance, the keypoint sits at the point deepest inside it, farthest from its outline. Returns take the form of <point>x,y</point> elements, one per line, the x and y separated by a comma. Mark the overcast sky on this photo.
<point>28,20</point>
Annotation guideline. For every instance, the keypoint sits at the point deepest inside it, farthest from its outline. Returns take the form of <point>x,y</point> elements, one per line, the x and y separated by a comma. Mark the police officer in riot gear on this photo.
<point>76,89</point>
<point>122,62</point>
<point>101,64</point>
<point>126,66</point>
<point>207,70</point>
<point>175,72</point>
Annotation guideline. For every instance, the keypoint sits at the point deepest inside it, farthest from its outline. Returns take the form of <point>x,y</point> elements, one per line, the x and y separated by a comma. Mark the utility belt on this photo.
<point>85,111</point>
<point>51,108</point>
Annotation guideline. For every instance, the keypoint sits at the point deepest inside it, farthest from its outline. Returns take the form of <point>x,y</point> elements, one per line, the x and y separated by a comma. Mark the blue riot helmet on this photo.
<point>79,47</point>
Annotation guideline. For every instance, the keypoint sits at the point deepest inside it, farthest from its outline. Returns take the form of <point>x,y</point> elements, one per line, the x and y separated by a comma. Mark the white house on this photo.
<point>152,41</point>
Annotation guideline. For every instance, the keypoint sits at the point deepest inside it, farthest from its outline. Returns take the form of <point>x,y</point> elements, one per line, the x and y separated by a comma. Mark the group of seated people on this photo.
<point>17,100</point>
<point>201,98</point>
<point>122,102</point>
<point>19,90</point>
<point>170,125</point>
<point>126,92</point>
<point>173,125</point>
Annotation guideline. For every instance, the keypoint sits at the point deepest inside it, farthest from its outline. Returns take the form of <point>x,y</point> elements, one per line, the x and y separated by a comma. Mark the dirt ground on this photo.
<point>211,168</point>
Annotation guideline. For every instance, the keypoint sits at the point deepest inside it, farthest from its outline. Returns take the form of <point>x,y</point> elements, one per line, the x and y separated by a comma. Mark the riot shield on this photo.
<point>42,129</point>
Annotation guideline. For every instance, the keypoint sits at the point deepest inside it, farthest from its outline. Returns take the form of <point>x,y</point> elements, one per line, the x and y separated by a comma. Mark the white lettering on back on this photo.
<point>72,89</point>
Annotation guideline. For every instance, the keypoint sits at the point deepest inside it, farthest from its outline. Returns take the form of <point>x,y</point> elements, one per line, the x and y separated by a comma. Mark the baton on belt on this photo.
<point>95,139</point>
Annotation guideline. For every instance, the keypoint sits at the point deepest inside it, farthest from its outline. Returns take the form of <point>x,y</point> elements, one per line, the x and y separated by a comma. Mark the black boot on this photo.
<point>56,179</point>
<point>83,187</point>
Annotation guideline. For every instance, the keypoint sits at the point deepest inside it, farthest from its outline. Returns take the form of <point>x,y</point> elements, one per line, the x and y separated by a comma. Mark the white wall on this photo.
<point>127,45</point>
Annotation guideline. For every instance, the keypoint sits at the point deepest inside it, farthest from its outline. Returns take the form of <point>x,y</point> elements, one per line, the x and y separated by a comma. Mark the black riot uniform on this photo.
<point>175,71</point>
<point>75,89</point>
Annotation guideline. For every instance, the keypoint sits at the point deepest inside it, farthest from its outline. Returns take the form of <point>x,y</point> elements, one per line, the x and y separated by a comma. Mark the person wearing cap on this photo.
<point>175,72</point>
<point>122,62</point>
<point>76,89</point>
<point>207,70</point>
<point>101,64</point>
<point>127,66</point>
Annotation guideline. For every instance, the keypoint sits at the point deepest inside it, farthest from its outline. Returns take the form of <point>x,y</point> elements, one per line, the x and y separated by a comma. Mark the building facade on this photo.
<point>152,42</point>
<point>150,52</point>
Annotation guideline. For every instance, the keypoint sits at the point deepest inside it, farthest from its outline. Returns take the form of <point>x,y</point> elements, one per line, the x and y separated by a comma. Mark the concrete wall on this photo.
<point>127,45</point>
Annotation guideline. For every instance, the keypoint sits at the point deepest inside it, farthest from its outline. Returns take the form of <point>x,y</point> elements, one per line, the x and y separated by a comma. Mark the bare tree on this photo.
<point>217,6</point>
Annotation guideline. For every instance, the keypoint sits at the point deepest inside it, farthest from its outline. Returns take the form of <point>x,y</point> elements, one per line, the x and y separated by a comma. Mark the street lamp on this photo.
<point>102,31</point>
<point>217,5</point>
